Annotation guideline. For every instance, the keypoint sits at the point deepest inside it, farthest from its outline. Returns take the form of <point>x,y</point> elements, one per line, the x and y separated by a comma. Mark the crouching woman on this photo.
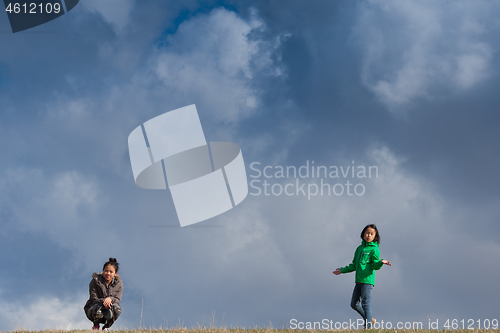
<point>105,289</point>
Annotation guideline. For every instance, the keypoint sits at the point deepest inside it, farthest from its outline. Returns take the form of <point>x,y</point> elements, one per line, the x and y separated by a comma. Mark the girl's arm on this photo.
<point>93,291</point>
<point>115,297</point>
<point>117,294</point>
<point>377,262</point>
<point>352,266</point>
<point>349,268</point>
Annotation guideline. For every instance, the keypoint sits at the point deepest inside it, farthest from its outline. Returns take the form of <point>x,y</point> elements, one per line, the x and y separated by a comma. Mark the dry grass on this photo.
<point>261,330</point>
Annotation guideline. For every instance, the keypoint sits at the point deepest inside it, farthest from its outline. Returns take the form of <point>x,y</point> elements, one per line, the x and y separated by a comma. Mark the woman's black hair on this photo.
<point>377,235</point>
<point>112,262</point>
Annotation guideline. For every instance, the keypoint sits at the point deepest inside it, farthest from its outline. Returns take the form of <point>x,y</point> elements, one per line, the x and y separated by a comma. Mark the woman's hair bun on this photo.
<point>112,262</point>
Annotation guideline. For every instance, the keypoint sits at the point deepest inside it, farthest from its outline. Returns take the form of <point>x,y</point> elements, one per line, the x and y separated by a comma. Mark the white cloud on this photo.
<point>218,60</point>
<point>473,66</point>
<point>69,191</point>
<point>56,205</point>
<point>213,58</point>
<point>412,48</point>
<point>45,313</point>
<point>115,12</point>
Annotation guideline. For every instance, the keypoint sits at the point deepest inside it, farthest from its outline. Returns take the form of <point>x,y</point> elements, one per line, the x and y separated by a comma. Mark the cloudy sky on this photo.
<point>405,87</point>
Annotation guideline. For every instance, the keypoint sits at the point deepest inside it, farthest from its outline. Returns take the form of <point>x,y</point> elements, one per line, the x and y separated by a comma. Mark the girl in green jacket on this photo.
<point>365,262</point>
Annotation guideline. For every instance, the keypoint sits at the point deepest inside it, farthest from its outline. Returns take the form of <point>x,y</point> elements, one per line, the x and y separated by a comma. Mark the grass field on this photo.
<point>261,330</point>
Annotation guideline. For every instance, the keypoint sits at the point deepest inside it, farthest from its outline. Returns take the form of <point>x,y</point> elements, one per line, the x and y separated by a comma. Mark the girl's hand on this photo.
<point>337,271</point>
<point>107,303</point>
<point>386,262</point>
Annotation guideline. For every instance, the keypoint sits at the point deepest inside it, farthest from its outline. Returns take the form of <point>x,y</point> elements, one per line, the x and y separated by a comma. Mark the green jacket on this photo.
<point>365,262</point>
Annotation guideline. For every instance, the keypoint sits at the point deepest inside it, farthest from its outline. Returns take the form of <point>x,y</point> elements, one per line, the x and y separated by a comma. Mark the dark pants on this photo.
<point>109,316</point>
<point>360,302</point>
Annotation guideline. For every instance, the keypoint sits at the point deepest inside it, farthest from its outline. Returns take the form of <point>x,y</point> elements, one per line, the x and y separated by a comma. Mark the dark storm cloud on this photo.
<point>378,82</point>
<point>430,65</point>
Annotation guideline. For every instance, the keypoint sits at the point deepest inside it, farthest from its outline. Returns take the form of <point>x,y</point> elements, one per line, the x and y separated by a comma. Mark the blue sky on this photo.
<point>407,86</point>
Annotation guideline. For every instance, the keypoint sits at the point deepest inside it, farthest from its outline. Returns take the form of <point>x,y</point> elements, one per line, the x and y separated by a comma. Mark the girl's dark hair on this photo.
<point>377,235</point>
<point>112,262</point>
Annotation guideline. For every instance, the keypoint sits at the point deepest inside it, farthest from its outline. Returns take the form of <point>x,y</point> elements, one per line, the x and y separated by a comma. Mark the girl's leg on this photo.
<point>117,310</point>
<point>112,315</point>
<point>95,315</point>
<point>356,300</point>
<point>366,296</point>
<point>107,314</point>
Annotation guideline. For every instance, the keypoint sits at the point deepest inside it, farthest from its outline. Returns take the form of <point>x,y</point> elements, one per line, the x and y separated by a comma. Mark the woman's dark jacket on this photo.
<point>97,290</point>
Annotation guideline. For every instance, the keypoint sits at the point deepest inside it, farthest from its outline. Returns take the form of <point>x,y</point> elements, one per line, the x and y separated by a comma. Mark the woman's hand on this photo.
<point>386,262</point>
<point>107,303</point>
<point>337,271</point>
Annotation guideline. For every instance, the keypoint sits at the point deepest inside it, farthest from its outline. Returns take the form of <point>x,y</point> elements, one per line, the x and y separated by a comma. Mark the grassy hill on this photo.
<point>262,330</point>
